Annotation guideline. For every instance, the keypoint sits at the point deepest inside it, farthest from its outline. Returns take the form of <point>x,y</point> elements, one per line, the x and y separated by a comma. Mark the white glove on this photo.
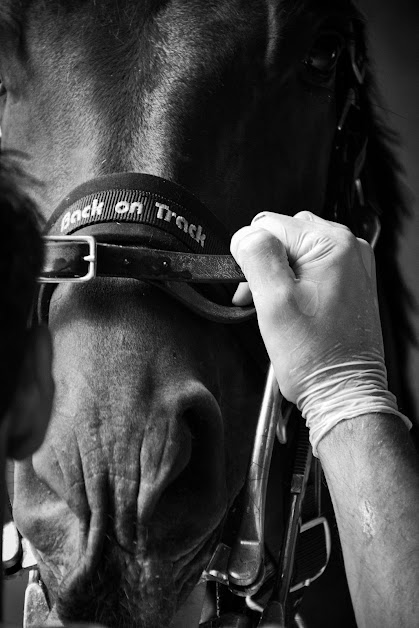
<point>313,285</point>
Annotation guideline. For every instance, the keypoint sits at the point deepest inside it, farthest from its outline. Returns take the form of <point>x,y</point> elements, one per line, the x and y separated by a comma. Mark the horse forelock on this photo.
<point>155,84</point>
<point>125,19</point>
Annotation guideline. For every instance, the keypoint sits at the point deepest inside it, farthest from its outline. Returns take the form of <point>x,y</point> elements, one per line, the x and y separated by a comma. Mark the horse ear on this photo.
<point>30,411</point>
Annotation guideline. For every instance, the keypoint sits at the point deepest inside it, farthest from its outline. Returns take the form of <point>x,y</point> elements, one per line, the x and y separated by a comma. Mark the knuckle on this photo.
<point>304,215</point>
<point>347,242</point>
<point>345,232</point>
<point>363,244</point>
<point>255,242</point>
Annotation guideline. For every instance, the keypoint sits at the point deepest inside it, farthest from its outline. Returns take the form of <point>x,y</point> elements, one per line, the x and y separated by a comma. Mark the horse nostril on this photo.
<point>205,445</point>
<point>184,466</point>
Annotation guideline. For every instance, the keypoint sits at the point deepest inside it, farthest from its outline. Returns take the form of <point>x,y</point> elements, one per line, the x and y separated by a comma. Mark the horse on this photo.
<point>240,107</point>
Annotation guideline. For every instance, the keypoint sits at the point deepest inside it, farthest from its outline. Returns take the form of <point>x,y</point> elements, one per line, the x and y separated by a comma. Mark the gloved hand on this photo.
<point>313,285</point>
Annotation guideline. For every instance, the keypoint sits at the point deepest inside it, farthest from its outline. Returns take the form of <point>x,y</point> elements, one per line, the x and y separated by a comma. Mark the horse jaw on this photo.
<point>123,503</point>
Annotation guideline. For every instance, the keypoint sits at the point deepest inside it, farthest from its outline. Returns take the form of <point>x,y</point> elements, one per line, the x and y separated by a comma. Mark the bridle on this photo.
<point>117,226</point>
<point>142,227</point>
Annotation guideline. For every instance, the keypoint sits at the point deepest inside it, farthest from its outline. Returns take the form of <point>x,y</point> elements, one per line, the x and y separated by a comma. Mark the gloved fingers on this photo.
<point>243,295</point>
<point>310,217</point>
<point>314,309</point>
<point>263,259</point>
<point>367,252</point>
<point>304,240</point>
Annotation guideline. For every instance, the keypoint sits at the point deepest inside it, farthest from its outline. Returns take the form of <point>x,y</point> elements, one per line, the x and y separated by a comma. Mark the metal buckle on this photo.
<point>17,551</point>
<point>91,259</point>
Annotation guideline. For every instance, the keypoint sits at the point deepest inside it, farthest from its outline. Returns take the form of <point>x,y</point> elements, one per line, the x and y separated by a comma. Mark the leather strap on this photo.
<point>64,259</point>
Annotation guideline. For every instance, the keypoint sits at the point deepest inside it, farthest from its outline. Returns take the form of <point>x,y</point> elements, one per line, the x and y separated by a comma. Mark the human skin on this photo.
<point>370,463</point>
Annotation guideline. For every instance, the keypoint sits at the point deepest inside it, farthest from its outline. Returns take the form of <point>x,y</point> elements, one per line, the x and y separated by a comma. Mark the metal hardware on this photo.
<point>36,608</point>
<point>359,161</point>
<point>217,571</point>
<point>17,551</point>
<point>141,262</point>
<point>360,192</point>
<point>12,549</point>
<point>283,419</point>
<point>299,621</point>
<point>376,230</point>
<point>373,228</point>
<point>229,620</point>
<point>90,258</point>
<point>247,554</point>
<point>28,559</point>
<point>217,567</point>
<point>350,101</point>
<point>306,527</point>
<point>275,611</point>
<point>358,69</point>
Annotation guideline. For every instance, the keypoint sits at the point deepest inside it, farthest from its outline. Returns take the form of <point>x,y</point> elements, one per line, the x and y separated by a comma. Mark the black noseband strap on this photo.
<point>125,199</point>
<point>144,227</point>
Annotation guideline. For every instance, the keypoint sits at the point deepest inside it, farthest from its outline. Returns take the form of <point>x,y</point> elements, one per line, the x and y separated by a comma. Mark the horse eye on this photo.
<point>324,54</point>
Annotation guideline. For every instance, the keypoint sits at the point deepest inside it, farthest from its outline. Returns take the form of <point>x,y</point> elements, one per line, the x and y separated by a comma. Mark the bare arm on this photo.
<point>313,285</point>
<point>372,472</point>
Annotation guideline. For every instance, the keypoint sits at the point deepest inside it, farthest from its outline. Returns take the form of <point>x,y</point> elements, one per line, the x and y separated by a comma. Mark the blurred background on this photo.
<point>394,39</point>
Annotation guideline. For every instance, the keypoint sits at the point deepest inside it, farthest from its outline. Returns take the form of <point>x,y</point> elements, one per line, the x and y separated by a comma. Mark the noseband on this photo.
<point>117,226</point>
<point>146,228</point>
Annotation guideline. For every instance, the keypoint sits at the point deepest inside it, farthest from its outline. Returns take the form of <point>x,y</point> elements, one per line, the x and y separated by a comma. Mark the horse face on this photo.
<point>124,498</point>
<point>152,424</point>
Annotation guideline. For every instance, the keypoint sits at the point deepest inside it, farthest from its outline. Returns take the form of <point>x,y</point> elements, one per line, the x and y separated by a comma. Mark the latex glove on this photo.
<point>313,285</point>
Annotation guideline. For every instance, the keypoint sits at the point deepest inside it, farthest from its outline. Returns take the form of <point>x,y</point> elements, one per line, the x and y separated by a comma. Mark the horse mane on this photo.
<point>389,194</point>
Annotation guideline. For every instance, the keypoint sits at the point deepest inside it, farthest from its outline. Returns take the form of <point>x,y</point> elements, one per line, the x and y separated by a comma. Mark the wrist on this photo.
<point>344,392</point>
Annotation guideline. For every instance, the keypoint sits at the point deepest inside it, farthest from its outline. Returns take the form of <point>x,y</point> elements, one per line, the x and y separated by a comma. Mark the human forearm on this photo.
<point>372,471</point>
<point>313,285</point>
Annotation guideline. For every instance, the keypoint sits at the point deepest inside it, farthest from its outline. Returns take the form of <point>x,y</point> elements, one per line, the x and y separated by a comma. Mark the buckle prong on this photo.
<point>90,258</point>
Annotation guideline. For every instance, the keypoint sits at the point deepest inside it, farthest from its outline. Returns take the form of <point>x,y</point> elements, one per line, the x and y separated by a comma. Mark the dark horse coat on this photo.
<point>155,408</point>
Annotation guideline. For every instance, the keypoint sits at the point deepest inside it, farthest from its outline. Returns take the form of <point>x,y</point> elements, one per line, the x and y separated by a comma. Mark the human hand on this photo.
<point>314,289</point>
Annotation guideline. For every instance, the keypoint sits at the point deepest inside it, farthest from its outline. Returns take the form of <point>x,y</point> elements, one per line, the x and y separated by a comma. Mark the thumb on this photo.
<point>263,260</point>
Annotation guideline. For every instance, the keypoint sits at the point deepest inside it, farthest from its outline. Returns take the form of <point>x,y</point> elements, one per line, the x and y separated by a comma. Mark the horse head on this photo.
<point>155,406</point>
